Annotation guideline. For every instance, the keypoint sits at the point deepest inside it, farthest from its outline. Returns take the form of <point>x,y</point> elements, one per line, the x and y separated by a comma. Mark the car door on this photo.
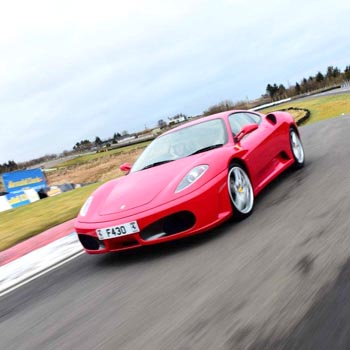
<point>260,145</point>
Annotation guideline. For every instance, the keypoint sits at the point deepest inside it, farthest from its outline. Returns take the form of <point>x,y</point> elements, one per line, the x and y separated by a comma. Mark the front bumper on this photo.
<point>193,213</point>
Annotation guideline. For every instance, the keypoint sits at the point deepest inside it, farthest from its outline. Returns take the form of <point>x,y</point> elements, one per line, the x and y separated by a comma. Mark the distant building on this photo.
<point>179,118</point>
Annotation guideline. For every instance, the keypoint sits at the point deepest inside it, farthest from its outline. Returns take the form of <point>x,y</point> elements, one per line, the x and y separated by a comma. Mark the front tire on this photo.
<point>241,191</point>
<point>297,149</point>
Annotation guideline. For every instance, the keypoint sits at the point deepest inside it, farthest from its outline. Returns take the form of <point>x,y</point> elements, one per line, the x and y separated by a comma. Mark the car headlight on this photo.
<point>192,176</point>
<point>84,209</point>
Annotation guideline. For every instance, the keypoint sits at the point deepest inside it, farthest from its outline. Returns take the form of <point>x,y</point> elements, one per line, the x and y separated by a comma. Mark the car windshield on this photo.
<point>182,143</point>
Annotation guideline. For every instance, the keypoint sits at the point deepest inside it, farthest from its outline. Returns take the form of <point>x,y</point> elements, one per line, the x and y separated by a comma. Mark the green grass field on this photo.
<point>321,108</point>
<point>19,224</point>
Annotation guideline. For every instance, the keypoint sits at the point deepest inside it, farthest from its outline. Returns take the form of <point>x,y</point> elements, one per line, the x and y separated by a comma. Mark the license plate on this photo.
<point>118,231</point>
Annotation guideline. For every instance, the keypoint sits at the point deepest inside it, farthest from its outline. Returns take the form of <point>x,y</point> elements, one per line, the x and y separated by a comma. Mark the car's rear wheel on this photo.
<point>297,149</point>
<point>241,191</point>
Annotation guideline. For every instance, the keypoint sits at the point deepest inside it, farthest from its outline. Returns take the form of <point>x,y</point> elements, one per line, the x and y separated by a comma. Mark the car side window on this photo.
<point>239,120</point>
<point>255,117</point>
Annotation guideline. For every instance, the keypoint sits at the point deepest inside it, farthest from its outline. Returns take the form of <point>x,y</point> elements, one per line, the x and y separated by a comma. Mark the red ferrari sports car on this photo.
<point>190,179</point>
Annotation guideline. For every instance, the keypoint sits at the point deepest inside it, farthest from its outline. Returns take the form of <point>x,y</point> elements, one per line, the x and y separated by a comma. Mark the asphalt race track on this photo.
<point>339,91</point>
<point>278,280</point>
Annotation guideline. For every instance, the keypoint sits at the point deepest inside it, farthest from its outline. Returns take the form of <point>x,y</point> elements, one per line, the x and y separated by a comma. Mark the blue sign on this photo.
<point>24,179</point>
<point>17,199</point>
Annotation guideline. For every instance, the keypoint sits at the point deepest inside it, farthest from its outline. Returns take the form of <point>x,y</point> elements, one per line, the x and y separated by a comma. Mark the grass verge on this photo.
<point>321,108</point>
<point>21,223</point>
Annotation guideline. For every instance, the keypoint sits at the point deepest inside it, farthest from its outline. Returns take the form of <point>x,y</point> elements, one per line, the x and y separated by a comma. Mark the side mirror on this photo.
<point>126,167</point>
<point>247,129</point>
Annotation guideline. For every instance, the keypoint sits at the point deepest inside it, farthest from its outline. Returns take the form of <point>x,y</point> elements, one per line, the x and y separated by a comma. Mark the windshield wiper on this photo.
<point>156,164</point>
<point>208,148</point>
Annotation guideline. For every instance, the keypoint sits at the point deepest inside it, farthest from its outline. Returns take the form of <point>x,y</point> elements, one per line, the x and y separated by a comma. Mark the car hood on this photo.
<point>135,190</point>
<point>149,188</point>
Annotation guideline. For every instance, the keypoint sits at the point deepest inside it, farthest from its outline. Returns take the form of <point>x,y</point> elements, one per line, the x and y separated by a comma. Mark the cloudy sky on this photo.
<point>71,70</point>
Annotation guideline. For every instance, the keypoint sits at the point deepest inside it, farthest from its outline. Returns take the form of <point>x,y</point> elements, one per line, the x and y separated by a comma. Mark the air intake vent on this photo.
<point>90,243</point>
<point>169,225</point>
<point>271,118</point>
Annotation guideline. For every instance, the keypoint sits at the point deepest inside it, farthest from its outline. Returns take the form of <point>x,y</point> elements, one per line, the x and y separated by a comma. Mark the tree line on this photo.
<point>274,92</point>
<point>333,76</point>
<point>84,145</point>
<point>11,165</point>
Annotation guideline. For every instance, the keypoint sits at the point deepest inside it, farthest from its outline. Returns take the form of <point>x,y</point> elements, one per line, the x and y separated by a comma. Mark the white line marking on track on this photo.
<point>39,274</point>
<point>38,262</point>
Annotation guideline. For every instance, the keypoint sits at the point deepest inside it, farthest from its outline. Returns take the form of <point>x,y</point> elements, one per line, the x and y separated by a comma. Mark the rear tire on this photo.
<point>241,191</point>
<point>297,149</point>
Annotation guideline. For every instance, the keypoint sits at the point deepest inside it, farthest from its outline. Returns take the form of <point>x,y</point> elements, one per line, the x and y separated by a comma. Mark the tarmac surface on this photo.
<point>33,257</point>
<point>277,280</point>
<point>339,91</point>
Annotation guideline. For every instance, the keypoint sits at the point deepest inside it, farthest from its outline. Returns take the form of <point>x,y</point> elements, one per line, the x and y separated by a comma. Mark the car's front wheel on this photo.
<point>297,149</point>
<point>241,191</point>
